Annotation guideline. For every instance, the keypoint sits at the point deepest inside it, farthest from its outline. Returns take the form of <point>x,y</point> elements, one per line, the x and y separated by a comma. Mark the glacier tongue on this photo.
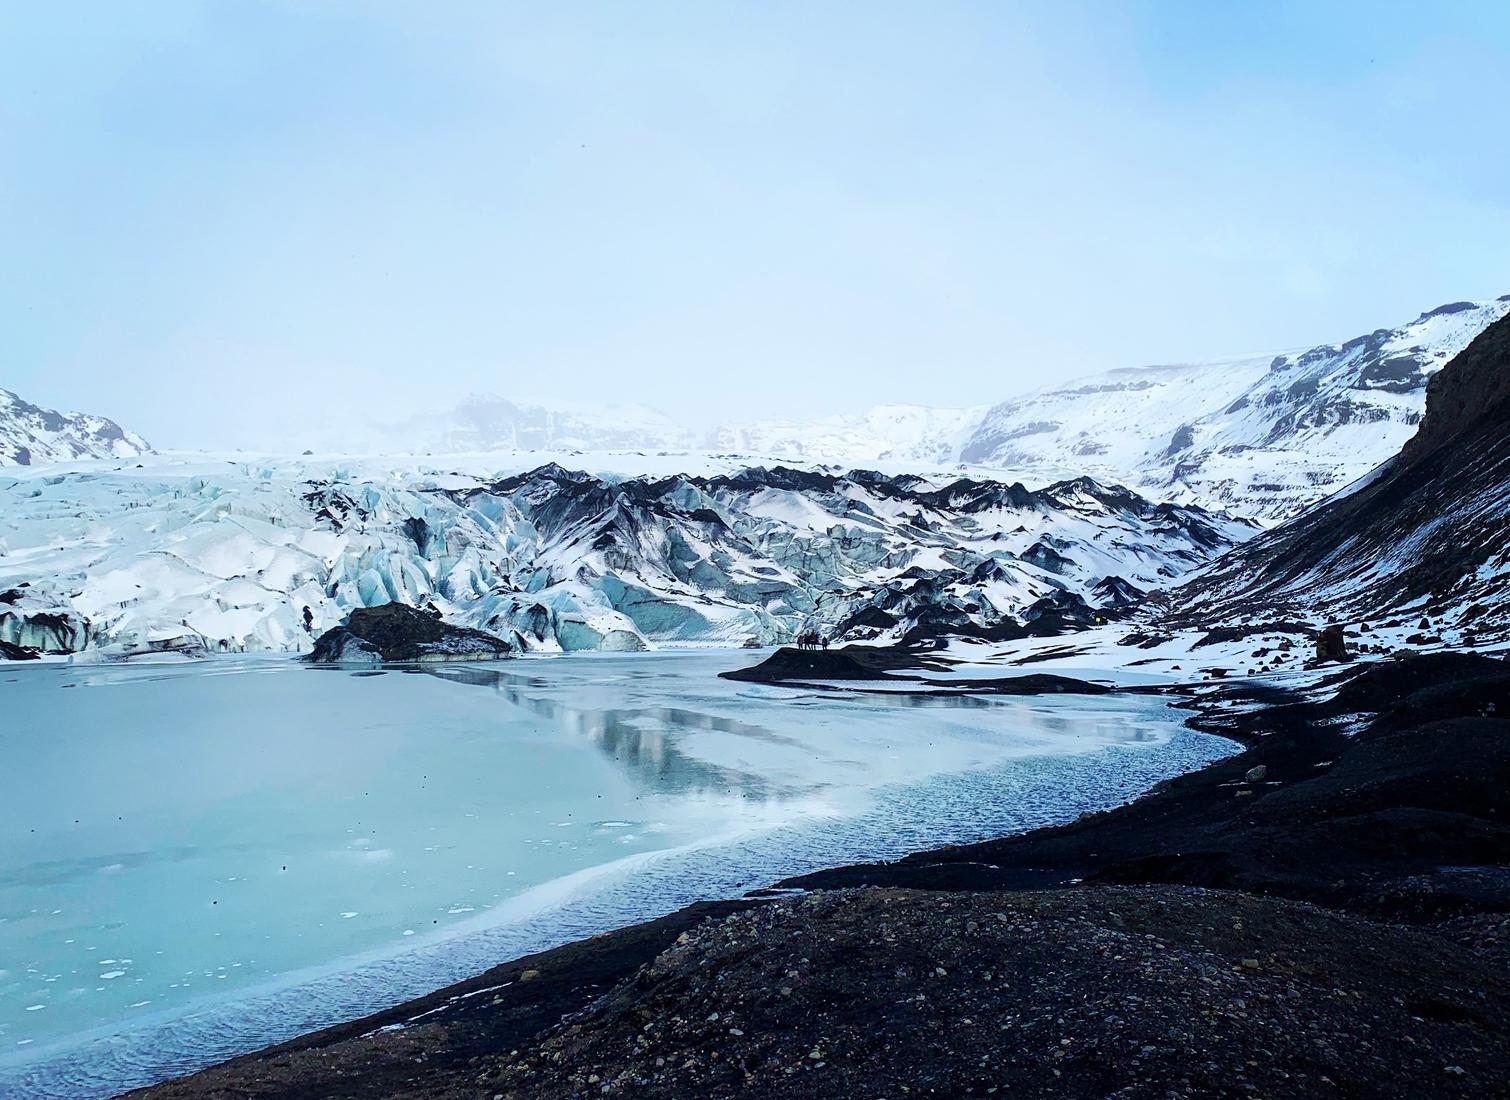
<point>184,551</point>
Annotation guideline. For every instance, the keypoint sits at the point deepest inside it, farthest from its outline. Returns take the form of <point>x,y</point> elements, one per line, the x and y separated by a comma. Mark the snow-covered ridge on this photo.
<point>1261,435</point>
<point>31,435</point>
<point>1424,543</point>
<point>483,423</point>
<point>886,433</point>
<point>231,553</point>
<point>1264,435</point>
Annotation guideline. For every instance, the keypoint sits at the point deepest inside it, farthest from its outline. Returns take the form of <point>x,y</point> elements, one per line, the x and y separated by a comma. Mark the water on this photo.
<point>198,860</point>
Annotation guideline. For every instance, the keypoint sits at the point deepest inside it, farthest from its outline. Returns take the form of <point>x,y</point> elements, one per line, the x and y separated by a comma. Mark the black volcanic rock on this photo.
<point>788,663</point>
<point>398,632</point>
<point>9,652</point>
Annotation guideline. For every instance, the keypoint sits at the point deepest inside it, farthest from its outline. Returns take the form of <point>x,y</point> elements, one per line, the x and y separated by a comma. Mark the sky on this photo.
<point>222,219</point>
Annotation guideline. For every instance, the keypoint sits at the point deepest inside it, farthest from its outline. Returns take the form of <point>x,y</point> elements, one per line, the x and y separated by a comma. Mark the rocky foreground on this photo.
<point>1326,914</point>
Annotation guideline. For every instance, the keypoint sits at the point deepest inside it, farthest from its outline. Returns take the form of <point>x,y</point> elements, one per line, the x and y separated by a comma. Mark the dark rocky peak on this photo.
<point>551,472</point>
<point>969,495</point>
<point>776,477</point>
<point>1448,310</point>
<point>903,486</point>
<point>1371,342</point>
<point>1115,497</point>
<point>1114,591</point>
<point>1182,440</point>
<point>1473,389</point>
<point>1046,557</point>
<point>990,570</point>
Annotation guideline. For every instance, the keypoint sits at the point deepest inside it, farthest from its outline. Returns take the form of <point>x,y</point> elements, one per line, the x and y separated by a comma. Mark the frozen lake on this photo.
<point>198,860</point>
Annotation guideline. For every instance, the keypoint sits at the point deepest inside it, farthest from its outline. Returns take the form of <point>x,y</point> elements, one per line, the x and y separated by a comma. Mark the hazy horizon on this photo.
<point>229,220</point>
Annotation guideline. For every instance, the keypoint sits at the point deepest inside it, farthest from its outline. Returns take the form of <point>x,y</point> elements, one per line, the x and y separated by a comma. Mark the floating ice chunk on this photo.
<point>111,975</point>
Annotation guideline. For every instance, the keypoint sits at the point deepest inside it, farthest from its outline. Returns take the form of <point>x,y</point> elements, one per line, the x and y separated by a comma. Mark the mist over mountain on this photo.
<point>1262,435</point>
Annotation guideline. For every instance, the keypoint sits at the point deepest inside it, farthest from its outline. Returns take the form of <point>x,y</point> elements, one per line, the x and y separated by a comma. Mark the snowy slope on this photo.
<point>1422,544</point>
<point>1108,424</point>
<point>885,433</point>
<point>227,554</point>
<point>31,435</point>
<point>1260,435</point>
<point>486,423</point>
<point>489,423</point>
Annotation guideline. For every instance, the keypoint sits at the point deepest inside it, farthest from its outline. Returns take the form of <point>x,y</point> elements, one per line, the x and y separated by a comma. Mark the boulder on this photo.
<point>1331,644</point>
<point>399,633</point>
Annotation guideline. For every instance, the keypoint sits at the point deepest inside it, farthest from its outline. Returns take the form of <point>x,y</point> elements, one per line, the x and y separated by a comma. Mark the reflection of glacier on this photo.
<point>556,560</point>
<point>814,738</point>
<point>641,738</point>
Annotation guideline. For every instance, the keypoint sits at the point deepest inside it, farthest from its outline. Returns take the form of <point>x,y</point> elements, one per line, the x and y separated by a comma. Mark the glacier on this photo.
<point>186,554</point>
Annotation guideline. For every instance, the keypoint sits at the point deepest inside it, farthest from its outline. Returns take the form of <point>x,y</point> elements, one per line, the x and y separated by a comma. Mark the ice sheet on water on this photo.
<point>239,808</point>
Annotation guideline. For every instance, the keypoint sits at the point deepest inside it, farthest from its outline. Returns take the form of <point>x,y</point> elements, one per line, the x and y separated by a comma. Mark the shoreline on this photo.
<point>444,1035</point>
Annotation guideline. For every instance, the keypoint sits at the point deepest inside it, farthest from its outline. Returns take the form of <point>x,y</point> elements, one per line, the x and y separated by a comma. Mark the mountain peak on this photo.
<point>31,434</point>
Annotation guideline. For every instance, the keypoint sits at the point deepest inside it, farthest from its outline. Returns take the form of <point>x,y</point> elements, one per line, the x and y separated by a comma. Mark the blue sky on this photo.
<point>223,216</point>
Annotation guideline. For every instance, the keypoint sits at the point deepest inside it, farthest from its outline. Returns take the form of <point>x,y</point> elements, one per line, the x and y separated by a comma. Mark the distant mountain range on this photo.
<point>1259,435</point>
<point>192,554</point>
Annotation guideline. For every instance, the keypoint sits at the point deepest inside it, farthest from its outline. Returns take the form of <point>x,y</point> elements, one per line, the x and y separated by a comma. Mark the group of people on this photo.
<point>811,639</point>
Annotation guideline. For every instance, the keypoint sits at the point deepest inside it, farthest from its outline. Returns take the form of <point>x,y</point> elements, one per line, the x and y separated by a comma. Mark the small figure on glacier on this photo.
<point>309,620</point>
<point>825,643</point>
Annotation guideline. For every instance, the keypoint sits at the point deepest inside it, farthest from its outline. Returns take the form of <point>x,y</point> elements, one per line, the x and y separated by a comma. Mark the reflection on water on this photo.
<point>643,739</point>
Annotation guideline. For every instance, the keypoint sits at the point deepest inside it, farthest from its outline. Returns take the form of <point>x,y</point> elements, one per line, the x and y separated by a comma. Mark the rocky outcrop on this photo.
<point>1331,644</point>
<point>788,664</point>
<point>9,652</point>
<point>396,632</point>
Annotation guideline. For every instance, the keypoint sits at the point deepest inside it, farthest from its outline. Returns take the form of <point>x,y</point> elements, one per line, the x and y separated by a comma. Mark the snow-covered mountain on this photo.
<point>481,423</point>
<point>487,423</point>
<point>228,555</point>
<point>1262,435</point>
<point>886,433</point>
<point>1422,547</point>
<point>30,435</point>
<point>1259,435</point>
